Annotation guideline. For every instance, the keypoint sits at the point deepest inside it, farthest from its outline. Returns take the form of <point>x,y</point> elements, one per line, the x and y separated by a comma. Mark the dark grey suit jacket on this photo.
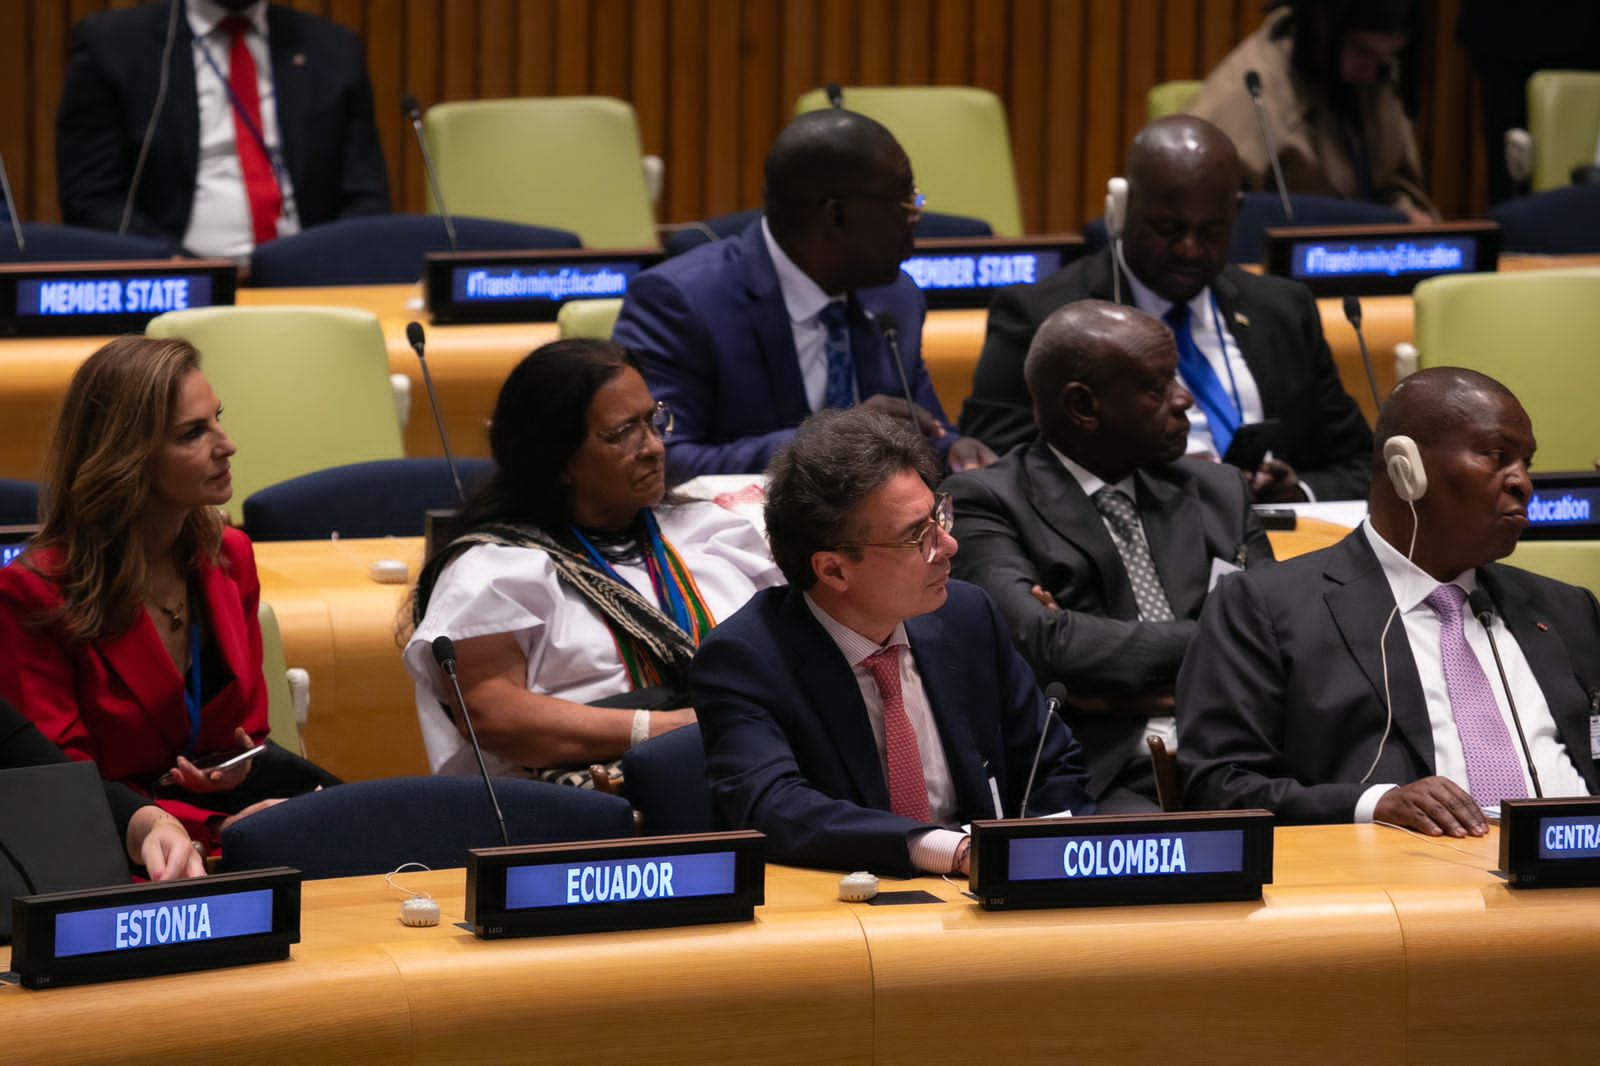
<point>1279,333</point>
<point>1280,701</point>
<point>1026,521</point>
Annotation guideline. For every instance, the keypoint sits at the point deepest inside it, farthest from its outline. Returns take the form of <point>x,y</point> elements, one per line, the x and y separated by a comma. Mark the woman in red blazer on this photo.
<point>128,631</point>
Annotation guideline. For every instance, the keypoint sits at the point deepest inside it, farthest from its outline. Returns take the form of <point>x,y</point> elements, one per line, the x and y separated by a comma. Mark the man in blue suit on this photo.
<point>744,338</point>
<point>862,713</point>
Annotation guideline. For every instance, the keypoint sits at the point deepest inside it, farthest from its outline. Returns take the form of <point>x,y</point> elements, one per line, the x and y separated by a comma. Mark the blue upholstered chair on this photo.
<point>387,249</point>
<point>384,498</point>
<point>48,243</point>
<point>19,502</point>
<point>1562,221</point>
<point>932,224</point>
<point>371,827</point>
<point>665,780</point>
<point>1260,210</point>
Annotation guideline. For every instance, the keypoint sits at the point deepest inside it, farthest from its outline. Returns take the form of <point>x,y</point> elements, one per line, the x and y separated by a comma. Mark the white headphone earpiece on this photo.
<point>1116,207</point>
<point>1403,462</point>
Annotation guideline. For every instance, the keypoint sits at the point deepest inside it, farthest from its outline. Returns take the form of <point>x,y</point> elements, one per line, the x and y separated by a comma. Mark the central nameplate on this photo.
<point>1551,843</point>
<point>604,885</point>
<point>1121,859</point>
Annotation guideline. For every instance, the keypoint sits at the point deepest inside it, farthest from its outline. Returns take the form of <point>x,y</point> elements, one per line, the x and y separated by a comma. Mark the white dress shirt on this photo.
<point>804,300</point>
<point>1411,586</point>
<point>934,850</point>
<point>220,222</point>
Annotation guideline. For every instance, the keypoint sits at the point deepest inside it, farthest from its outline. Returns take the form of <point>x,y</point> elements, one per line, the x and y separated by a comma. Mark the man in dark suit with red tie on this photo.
<point>859,716</point>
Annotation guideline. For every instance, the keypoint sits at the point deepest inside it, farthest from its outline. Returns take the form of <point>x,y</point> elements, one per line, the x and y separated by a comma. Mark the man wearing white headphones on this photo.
<point>1357,684</point>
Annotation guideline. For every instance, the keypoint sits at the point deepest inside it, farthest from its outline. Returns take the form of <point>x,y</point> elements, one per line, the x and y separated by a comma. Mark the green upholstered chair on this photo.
<point>588,318</point>
<point>570,162</point>
<point>1535,331</point>
<point>1169,98</point>
<point>288,691</point>
<point>1564,121</point>
<point>302,388</point>
<point>958,143</point>
<point>1577,562</point>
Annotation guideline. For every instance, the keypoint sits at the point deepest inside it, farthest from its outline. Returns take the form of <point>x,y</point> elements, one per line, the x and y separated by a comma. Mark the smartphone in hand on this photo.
<point>217,760</point>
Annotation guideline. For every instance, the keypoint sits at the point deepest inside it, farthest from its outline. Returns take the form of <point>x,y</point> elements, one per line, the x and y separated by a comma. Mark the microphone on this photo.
<point>155,115</point>
<point>444,652</point>
<point>1482,606</point>
<point>415,339</point>
<point>835,94</point>
<point>1252,83</point>
<point>1055,694</point>
<point>11,209</point>
<point>890,328</point>
<point>1352,314</point>
<point>413,115</point>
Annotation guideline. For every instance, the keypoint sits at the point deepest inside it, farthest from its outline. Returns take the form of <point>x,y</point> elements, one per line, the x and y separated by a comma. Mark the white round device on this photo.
<point>389,572</point>
<point>858,887</point>
<point>419,911</point>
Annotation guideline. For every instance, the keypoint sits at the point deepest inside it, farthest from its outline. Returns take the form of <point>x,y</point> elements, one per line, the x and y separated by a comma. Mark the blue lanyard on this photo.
<point>274,157</point>
<point>1227,360</point>
<point>191,693</point>
<point>667,597</point>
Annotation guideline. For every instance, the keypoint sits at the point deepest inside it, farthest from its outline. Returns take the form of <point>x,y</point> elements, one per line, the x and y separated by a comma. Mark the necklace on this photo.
<point>174,614</point>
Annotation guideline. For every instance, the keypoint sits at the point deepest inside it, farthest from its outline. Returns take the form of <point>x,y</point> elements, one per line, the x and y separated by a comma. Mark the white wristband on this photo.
<point>641,729</point>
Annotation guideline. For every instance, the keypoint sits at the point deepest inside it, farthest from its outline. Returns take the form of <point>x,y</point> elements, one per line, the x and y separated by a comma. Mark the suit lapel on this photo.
<point>224,615</point>
<point>831,690</point>
<point>1059,500</point>
<point>138,657</point>
<point>292,87</point>
<point>939,658</point>
<point>1175,530</point>
<point>774,334</point>
<point>1360,603</point>
<point>1234,306</point>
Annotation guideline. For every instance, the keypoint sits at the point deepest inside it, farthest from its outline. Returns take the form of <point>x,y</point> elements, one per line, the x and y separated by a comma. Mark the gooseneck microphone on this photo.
<point>1252,84</point>
<point>890,328</point>
<point>834,94</point>
<point>413,114</point>
<point>11,208</point>
<point>1352,314</point>
<point>1482,606</point>
<point>444,652</point>
<point>155,116</point>
<point>414,337</point>
<point>1055,694</point>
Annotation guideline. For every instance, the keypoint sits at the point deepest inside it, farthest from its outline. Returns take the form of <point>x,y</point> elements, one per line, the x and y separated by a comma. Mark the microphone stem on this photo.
<point>477,750</point>
<point>1366,364</point>
<point>438,420</point>
<point>433,184</point>
<point>1272,156</point>
<point>1516,719</point>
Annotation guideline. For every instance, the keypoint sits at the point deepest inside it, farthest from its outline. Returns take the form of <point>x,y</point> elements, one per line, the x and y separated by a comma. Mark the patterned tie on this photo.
<point>1129,538</point>
<point>908,789</point>
<point>1494,772</point>
<point>841,368</point>
<point>1222,417</point>
<point>266,200</point>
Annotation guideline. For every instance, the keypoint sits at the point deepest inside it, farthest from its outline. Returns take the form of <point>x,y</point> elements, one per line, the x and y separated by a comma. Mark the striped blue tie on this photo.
<point>1221,415</point>
<point>841,367</point>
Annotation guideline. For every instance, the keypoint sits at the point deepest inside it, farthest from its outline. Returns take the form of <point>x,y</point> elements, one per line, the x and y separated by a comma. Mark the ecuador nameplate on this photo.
<point>107,934</point>
<point>1550,843</point>
<point>603,885</point>
<point>1379,260</point>
<point>477,287</point>
<point>95,299</point>
<point>1121,859</point>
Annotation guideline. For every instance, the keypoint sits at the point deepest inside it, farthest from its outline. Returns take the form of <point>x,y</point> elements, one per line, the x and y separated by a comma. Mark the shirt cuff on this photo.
<point>933,851</point>
<point>1311,494</point>
<point>1368,803</point>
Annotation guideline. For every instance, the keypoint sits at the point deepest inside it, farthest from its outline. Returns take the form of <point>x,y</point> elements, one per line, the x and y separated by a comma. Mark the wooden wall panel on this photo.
<point>714,80</point>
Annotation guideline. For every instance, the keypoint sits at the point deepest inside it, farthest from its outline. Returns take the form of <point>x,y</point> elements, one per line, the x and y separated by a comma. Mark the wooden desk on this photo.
<point>1370,946</point>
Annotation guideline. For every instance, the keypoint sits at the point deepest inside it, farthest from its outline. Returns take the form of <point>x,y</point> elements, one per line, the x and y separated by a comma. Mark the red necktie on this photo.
<point>908,789</point>
<point>259,183</point>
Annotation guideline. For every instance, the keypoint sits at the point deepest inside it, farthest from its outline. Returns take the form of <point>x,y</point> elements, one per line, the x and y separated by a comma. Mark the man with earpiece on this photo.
<point>1250,348</point>
<point>1357,684</point>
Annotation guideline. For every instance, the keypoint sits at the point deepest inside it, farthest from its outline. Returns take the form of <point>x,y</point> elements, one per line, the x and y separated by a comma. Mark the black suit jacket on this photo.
<point>324,104</point>
<point>789,748</point>
<point>1280,701</point>
<point>1025,521</point>
<point>1279,333</point>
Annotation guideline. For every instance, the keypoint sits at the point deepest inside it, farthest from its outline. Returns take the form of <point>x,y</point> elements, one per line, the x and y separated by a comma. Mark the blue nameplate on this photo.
<point>1379,260</point>
<point>13,542</point>
<point>1564,507</point>
<point>1550,843</point>
<point>1113,860</point>
<point>106,934</point>
<point>95,299</point>
<point>477,287</point>
<point>603,885</point>
<point>964,272</point>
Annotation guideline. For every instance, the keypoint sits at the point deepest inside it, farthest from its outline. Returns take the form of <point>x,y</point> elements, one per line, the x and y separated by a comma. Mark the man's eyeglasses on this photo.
<point>941,519</point>
<point>912,207</point>
<point>630,436</point>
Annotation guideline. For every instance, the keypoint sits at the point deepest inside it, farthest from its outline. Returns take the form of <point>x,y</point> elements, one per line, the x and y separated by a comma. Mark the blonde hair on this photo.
<point>98,482</point>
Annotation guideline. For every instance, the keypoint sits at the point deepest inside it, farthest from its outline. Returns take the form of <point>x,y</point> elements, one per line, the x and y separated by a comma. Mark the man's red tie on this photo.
<point>908,789</point>
<point>266,200</point>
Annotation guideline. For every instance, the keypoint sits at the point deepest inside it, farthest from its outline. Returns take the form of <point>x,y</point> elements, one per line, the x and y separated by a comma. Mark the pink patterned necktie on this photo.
<point>1494,772</point>
<point>908,789</point>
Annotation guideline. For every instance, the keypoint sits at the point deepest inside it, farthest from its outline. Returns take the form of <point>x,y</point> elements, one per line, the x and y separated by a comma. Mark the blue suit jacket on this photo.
<point>790,751</point>
<point>712,336</point>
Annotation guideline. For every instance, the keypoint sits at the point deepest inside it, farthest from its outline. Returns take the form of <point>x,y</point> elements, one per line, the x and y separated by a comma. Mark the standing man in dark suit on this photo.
<point>861,714</point>
<point>234,160</point>
<point>1098,541</point>
<point>1250,348</point>
<point>744,338</point>
<point>1285,700</point>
